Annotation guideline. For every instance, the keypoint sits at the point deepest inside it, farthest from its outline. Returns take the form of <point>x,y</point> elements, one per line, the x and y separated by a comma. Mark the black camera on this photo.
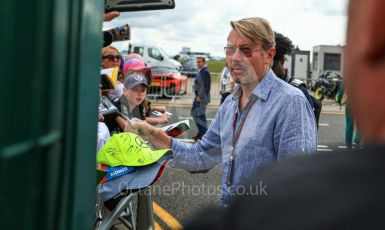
<point>121,33</point>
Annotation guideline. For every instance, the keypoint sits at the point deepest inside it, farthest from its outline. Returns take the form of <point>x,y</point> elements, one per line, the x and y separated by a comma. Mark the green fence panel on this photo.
<point>50,58</point>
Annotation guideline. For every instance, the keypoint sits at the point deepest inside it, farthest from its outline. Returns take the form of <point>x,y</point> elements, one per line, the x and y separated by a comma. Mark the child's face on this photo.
<point>136,95</point>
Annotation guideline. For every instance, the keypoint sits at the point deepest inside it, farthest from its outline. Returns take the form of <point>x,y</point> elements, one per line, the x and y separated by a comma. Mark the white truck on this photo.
<point>154,56</point>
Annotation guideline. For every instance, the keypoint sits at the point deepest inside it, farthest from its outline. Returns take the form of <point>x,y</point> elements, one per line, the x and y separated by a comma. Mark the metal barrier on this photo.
<point>176,87</point>
<point>155,91</point>
<point>167,87</point>
<point>162,89</point>
<point>133,211</point>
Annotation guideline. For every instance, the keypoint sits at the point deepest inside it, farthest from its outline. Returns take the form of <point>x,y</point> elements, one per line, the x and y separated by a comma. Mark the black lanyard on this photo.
<point>236,134</point>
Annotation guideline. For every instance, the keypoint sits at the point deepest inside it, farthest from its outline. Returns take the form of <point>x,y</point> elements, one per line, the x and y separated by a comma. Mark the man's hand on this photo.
<point>156,136</point>
<point>110,15</point>
<point>199,98</point>
<point>133,125</point>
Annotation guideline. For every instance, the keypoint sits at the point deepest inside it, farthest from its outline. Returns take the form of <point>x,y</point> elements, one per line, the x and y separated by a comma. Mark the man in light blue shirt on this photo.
<point>262,121</point>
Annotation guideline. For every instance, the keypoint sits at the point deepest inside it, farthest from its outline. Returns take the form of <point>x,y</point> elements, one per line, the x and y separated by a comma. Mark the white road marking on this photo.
<point>323,124</point>
<point>324,150</point>
<point>342,147</point>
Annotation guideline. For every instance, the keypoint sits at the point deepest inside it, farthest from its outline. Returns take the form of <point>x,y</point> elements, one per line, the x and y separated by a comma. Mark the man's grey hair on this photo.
<point>255,30</point>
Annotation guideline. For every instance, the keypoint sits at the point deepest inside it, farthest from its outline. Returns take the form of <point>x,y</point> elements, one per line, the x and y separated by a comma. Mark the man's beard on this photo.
<point>246,76</point>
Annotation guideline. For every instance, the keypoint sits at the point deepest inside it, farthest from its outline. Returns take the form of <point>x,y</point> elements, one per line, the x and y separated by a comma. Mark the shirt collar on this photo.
<point>205,66</point>
<point>263,88</point>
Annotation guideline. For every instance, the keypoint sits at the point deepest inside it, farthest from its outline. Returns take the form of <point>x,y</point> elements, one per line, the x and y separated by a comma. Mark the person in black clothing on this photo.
<point>342,190</point>
<point>339,190</point>
<point>201,89</point>
<point>284,46</point>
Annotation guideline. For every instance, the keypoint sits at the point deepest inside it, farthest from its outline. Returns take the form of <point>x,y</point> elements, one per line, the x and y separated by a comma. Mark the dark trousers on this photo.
<point>349,131</point>
<point>198,113</point>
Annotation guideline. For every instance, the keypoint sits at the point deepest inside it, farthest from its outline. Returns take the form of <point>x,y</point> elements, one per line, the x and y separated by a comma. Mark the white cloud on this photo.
<point>203,25</point>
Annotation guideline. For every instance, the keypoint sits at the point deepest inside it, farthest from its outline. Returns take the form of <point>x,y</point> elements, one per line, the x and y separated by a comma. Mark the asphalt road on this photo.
<point>183,194</point>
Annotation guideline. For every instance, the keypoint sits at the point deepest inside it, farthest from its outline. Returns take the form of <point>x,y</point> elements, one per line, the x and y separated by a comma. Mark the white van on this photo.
<point>154,56</point>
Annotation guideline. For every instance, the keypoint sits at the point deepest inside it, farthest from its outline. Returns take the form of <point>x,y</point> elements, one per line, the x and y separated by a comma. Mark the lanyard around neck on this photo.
<point>236,134</point>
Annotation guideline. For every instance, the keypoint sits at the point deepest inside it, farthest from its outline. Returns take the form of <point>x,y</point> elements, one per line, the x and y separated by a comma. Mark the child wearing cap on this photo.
<point>134,63</point>
<point>130,103</point>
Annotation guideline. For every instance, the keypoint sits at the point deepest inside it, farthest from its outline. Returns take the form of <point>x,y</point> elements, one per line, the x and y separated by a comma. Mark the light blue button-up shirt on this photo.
<point>280,124</point>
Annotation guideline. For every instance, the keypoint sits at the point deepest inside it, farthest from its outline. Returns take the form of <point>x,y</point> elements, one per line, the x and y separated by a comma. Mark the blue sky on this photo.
<point>203,25</point>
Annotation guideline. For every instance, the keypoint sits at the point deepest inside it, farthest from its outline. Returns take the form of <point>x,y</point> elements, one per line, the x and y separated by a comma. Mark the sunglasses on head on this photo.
<point>248,52</point>
<point>112,57</point>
